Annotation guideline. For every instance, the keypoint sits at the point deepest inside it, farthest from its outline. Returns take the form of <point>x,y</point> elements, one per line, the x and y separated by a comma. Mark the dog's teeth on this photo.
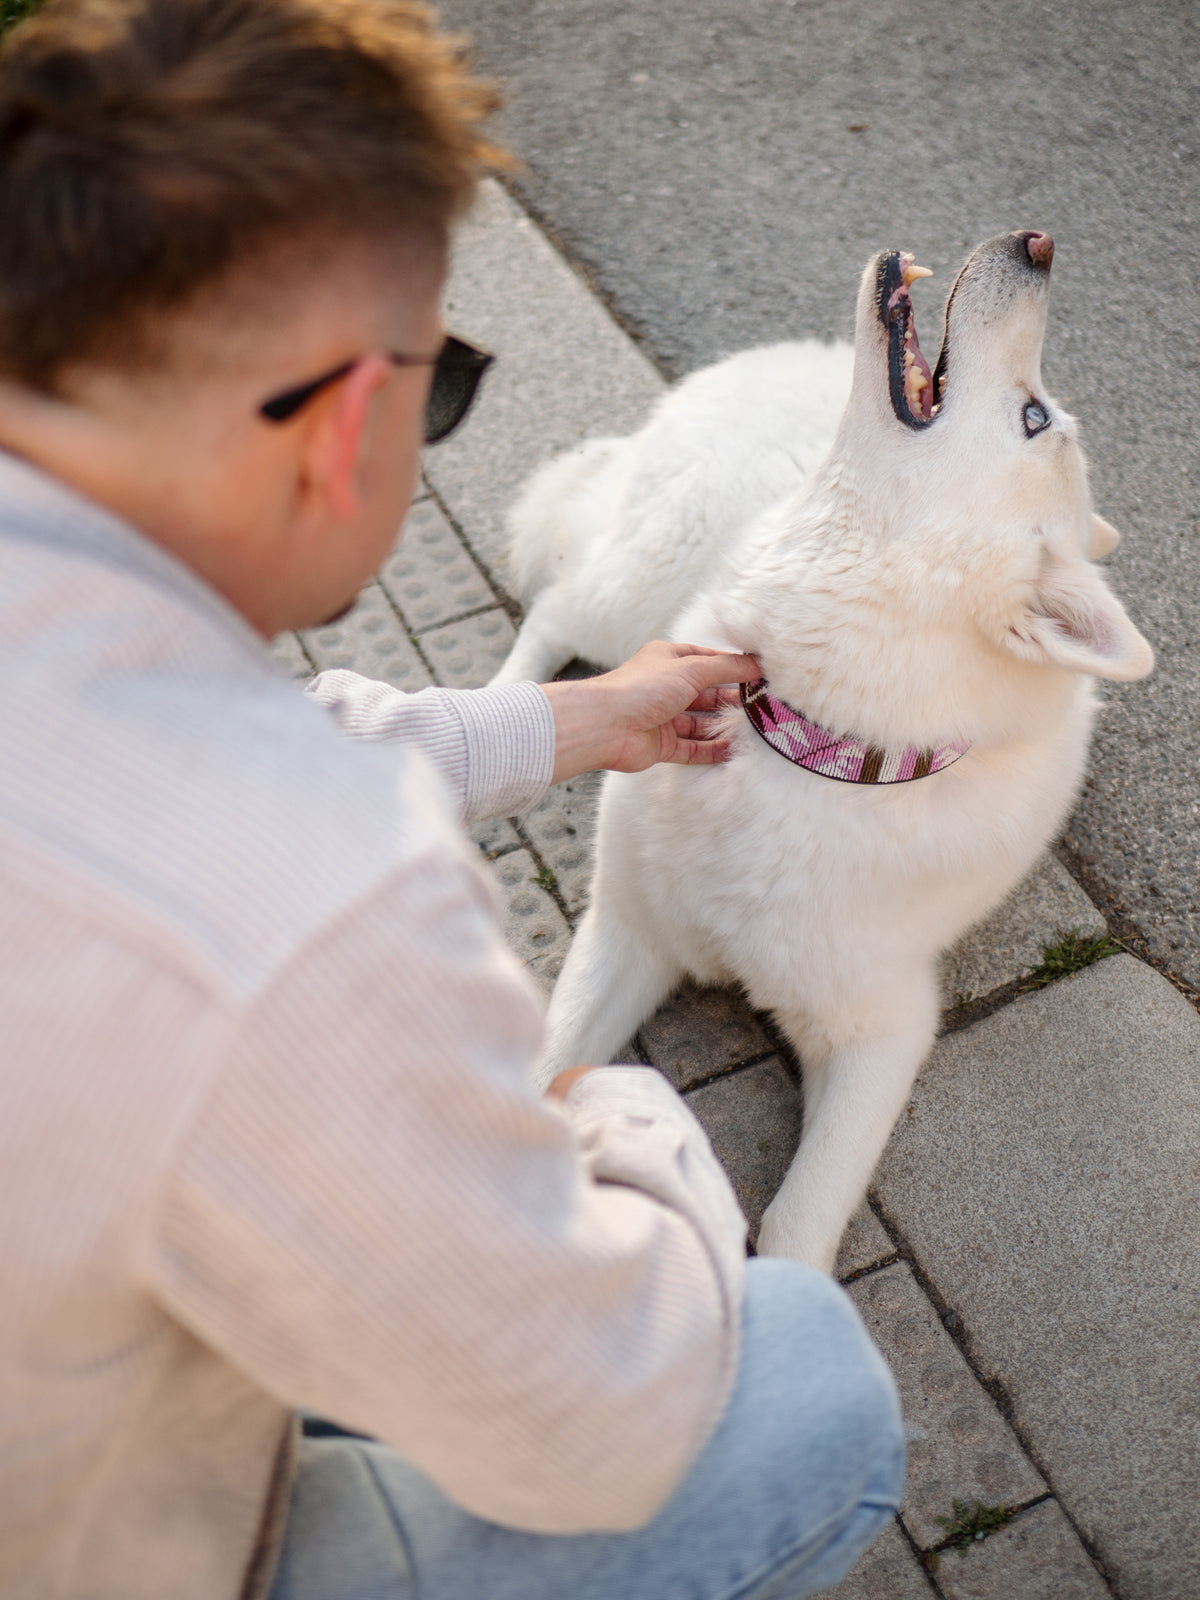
<point>912,272</point>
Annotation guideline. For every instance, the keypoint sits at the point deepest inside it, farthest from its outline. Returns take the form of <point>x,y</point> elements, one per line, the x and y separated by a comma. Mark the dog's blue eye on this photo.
<point>1036,418</point>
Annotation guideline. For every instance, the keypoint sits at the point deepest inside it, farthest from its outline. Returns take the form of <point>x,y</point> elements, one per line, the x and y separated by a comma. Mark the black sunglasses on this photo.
<point>457,370</point>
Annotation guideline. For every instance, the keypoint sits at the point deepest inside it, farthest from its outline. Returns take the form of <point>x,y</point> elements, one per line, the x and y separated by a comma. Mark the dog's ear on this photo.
<point>1077,622</point>
<point>1104,538</point>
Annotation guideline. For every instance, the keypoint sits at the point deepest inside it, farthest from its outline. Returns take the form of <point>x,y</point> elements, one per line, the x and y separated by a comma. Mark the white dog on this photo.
<point>929,623</point>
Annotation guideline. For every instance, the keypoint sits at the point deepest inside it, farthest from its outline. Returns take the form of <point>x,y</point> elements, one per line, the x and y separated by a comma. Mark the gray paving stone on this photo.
<point>429,575</point>
<point>466,654</point>
<point>753,1120</point>
<point>960,1447</point>
<point>564,370</point>
<point>495,835</point>
<point>1047,1181</point>
<point>1009,942</point>
<point>287,650</point>
<point>700,1031</point>
<point>1037,1556</point>
<point>545,969</point>
<point>533,925</point>
<point>887,1570</point>
<point>863,1243</point>
<point>562,827</point>
<point>370,640</point>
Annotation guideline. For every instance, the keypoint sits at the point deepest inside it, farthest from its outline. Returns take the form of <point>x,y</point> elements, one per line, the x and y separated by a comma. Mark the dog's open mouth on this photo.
<point>915,396</point>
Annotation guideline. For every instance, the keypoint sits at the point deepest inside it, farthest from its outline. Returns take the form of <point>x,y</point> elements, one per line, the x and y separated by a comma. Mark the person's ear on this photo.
<point>337,433</point>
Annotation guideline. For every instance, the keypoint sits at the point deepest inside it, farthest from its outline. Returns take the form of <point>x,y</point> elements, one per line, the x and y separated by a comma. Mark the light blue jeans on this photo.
<point>804,1469</point>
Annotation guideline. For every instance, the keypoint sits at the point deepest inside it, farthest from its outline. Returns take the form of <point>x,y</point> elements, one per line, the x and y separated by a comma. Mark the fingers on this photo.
<point>700,752</point>
<point>718,699</point>
<point>708,668</point>
<point>691,724</point>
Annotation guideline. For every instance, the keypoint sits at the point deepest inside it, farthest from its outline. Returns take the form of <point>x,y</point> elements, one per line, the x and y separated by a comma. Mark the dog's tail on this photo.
<point>555,514</point>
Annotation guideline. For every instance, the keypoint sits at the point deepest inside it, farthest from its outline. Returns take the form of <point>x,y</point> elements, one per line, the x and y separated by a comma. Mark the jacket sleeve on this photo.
<point>377,1218</point>
<point>493,747</point>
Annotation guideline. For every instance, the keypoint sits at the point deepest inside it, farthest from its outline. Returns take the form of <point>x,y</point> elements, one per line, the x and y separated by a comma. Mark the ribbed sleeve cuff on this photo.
<point>493,747</point>
<point>510,748</point>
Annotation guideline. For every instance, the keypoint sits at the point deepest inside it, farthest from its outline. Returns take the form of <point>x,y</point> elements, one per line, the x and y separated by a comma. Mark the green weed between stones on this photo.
<point>972,1522</point>
<point>13,10</point>
<point>1071,952</point>
<point>544,878</point>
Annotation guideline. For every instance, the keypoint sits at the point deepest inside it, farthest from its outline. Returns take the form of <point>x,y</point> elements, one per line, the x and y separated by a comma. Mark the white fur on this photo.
<point>922,586</point>
<point>609,542</point>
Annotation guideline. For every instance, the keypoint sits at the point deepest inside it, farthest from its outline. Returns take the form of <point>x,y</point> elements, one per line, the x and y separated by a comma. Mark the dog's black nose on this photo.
<point>1040,248</point>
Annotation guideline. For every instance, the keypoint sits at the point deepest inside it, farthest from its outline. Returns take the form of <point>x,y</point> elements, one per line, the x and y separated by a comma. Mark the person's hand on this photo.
<point>661,705</point>
<point>560,1086</point>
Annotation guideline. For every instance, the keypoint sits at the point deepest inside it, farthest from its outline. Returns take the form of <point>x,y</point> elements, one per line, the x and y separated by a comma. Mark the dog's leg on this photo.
<point>854,1089</point>
<point>613,978</point>
<point>542,645</point>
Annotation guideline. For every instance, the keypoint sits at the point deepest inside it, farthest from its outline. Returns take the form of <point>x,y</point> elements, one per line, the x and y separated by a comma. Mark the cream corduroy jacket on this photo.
<point>265,1136</point>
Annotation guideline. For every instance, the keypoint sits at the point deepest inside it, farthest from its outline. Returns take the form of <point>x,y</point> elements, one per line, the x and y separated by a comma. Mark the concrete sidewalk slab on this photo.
<point>888,1571</point>
<point>563,372</point>
<point>1037,1556</point>
<point>1009,941</point>
<point>1047,1181</point>
<point>960,1447</point>
<point>753,1118</point>
<point>701,1032</point>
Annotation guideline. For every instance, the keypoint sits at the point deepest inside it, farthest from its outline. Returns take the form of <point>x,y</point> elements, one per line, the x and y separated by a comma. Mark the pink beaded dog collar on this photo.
<point>847,759</point>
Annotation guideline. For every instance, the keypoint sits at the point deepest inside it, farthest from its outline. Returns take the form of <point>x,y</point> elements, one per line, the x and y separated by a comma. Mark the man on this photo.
<point>267,1144</point>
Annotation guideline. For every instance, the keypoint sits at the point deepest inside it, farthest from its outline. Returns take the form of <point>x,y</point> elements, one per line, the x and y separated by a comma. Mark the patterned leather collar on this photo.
<point>849,760</point>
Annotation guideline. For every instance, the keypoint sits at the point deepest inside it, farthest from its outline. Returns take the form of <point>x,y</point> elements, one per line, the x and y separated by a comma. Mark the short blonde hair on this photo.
<point>149,148</point>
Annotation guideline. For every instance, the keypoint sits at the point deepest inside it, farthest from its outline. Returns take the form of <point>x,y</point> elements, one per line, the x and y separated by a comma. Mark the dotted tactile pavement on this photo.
<point>429,575</point>
<point>533,924</point>
<point>466,654</point>
<point>290,655</point>
<point>560,827</point>
<point>372,640</point>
